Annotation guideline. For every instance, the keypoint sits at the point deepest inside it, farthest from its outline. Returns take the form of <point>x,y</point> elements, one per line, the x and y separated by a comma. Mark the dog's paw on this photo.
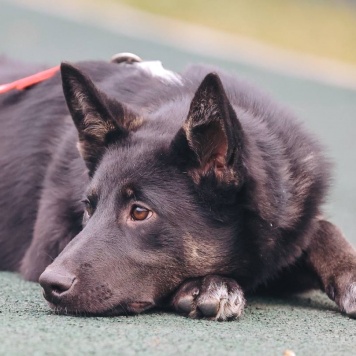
<point>212,297</point>
<point>345,297</point>
<point>343,292</point>
<point>348,300</point>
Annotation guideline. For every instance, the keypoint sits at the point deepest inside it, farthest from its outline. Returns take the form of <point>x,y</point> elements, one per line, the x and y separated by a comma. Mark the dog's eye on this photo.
<point>89,206</point>
<point>139,213</point>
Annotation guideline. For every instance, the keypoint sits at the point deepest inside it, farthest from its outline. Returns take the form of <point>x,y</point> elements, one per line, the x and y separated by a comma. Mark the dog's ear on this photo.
<point>99,120</point>
<point>210,141</point>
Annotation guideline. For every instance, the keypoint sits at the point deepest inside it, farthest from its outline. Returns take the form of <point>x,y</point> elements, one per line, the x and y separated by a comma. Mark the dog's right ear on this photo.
<point>99,120</point>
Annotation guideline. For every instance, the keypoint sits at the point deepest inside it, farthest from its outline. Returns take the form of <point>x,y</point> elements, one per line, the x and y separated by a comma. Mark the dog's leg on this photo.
<point>44,248</point>
<point>213,297</point>
<point>333,259</point>
<point>56,225</point>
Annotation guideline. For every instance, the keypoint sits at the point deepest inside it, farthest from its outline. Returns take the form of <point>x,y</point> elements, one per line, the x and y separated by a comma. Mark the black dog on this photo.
<point>193,187</point>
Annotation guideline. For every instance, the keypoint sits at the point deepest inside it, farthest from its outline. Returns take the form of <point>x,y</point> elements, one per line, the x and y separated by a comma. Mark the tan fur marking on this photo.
<point>129,192</point>
<point>190,246</point>
<point>133,124</point>
<point>200,258</point>
<point>186,127</point>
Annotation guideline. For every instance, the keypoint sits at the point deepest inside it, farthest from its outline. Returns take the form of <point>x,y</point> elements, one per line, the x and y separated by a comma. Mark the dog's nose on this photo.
<point>56,284</point>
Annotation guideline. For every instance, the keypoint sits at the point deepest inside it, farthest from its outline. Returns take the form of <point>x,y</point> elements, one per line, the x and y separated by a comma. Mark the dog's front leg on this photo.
<point>213,297</point>
<point>56,225</point>
<point>45,247</point>
<point>334,261</point>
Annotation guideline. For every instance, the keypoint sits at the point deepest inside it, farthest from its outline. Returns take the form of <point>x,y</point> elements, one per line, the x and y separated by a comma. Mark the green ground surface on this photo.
<point>309,325</point>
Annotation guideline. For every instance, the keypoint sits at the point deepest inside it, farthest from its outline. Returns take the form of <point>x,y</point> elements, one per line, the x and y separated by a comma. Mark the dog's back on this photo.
<point>29,127</point>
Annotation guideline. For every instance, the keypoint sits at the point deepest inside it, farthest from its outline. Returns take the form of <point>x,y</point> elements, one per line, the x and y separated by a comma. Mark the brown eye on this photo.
<point>139,213</point>
<point>89,207</point>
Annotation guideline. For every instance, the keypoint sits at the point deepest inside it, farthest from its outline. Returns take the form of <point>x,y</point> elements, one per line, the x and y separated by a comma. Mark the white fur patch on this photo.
<point>155,69</point>
<point>348,301</point>
<point>231,304</point>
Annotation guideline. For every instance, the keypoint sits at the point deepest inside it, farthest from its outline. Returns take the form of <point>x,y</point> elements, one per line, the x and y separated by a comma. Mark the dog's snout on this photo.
<point>56,284</point>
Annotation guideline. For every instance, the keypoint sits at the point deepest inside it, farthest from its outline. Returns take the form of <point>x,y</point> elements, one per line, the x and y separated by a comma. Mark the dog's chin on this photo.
<point>120,309</point>
<point>130,308</point>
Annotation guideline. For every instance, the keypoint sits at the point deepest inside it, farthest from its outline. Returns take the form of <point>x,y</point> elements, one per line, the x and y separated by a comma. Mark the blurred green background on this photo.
<point>321,93</point>
<point>321,27</point>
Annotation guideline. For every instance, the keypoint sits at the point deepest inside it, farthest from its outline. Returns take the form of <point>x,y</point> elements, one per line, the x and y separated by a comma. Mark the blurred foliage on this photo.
<point>322,27</point>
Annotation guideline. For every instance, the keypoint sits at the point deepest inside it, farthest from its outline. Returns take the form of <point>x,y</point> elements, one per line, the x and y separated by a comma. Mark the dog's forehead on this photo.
<point>146,176</point>
<point>131,167</point>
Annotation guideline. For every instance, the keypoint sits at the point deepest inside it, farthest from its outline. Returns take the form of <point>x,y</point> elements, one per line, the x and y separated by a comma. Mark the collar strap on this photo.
<point>27,82</point>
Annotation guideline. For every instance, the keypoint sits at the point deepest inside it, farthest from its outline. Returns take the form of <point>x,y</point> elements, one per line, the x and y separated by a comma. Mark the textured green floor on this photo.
<point>307,326</point>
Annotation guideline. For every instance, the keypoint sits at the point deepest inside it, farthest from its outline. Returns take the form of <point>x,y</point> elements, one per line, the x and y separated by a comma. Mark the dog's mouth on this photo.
<point>129,308</point>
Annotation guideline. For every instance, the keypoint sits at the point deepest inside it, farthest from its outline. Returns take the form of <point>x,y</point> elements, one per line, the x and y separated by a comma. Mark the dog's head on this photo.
<point>160,206</point>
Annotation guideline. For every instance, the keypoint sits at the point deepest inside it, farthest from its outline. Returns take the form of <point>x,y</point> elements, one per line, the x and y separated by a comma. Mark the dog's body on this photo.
<point>178,178</point>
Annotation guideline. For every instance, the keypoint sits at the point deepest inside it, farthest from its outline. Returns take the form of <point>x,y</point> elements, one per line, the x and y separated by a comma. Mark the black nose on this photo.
<point>56,284</point>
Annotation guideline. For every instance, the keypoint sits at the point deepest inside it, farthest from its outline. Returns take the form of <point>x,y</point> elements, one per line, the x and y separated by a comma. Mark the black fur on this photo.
<point>233,184</point>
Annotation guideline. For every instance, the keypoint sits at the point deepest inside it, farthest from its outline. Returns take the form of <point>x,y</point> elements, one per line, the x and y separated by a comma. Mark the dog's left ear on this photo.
<point>210,141</point>
<point>99,120</point>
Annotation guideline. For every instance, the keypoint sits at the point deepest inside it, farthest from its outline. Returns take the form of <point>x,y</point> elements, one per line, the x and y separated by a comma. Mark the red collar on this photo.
<point>29,81</point>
